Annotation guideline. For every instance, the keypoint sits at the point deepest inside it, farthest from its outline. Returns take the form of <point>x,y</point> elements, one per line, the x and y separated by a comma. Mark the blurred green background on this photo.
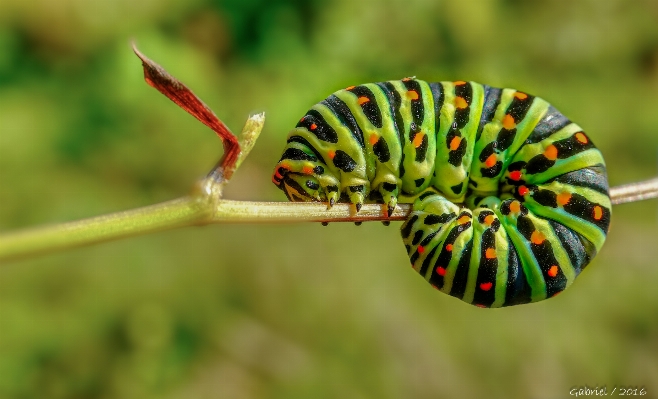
<point>300,311</point>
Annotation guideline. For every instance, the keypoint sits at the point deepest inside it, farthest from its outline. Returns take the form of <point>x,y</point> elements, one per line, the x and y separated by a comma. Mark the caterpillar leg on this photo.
<point>332,193</point>
<point>389,193</point>
<point>357,194</point>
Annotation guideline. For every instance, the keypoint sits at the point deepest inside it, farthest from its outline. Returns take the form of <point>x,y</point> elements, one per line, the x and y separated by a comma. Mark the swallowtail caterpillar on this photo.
<point>533,186</point>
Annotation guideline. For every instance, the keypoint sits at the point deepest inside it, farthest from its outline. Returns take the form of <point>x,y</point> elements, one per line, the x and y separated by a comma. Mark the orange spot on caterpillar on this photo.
<point>460,83</point>
<point>598,213</point>
<point>491,161</point>
<point>508,122</point>
<point>406,79</point>
<point>515,206</point>
<point>421,249</point>
<point>363,100</point>
<point>563,198</point>
<point>374,139</point>
<point>554,295</point>
<point>490,253</point>
<point>331,154</point>
<point>515,175</point>
<point>551,152</point>
<point>537,237</point>
<point>464,219</point>
<point>479,305</point>
<point>454,143</point>
<point>520,96</point>
<point>460,102</point>
<point>523,190</point>
<point>350,87</point>
<point>412,95</point>
<point>418,140</point>
<point>285,166</point>
<point>580,136</point>
<point>441,271</point>
<point>489,219</point>
<point>552,272</point>
<point>302,120</point>
<point>449,247</point>
<point>313,126</point>
<point>307,170</point>
<point>486,286</point>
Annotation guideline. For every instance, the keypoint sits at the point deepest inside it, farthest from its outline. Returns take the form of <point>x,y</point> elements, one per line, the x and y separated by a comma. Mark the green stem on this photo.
<point>180,212</point>
<point>186,211</point>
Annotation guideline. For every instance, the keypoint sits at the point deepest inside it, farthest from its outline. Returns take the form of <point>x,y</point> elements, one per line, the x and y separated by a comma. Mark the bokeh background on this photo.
<point>300,310</point>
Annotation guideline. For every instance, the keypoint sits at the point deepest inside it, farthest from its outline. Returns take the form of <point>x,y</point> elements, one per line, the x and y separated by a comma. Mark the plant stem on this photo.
<point>179,212</point>
<point>196,210</point>
<point>212,186</point>
<point>634,192</point>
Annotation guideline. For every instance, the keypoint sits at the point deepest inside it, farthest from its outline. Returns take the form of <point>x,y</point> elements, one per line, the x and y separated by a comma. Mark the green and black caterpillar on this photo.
<point>534,188</point>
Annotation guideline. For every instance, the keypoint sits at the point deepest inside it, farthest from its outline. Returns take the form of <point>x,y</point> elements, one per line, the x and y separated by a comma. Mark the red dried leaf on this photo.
<point>177,92</point>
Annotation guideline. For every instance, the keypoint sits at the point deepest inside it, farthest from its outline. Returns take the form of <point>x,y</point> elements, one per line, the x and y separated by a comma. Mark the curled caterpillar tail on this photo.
<point>499,254</point>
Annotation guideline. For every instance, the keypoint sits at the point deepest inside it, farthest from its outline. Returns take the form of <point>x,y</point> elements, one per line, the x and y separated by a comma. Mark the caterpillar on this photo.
<point>510,198</point>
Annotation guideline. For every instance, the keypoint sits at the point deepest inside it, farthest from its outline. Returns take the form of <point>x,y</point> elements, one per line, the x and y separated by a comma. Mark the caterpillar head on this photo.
<point>298,171</point>
<point>298,182</point>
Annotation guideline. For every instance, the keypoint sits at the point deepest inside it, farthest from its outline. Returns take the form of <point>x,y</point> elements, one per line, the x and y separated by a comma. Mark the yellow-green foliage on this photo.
<point>299,311</point>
